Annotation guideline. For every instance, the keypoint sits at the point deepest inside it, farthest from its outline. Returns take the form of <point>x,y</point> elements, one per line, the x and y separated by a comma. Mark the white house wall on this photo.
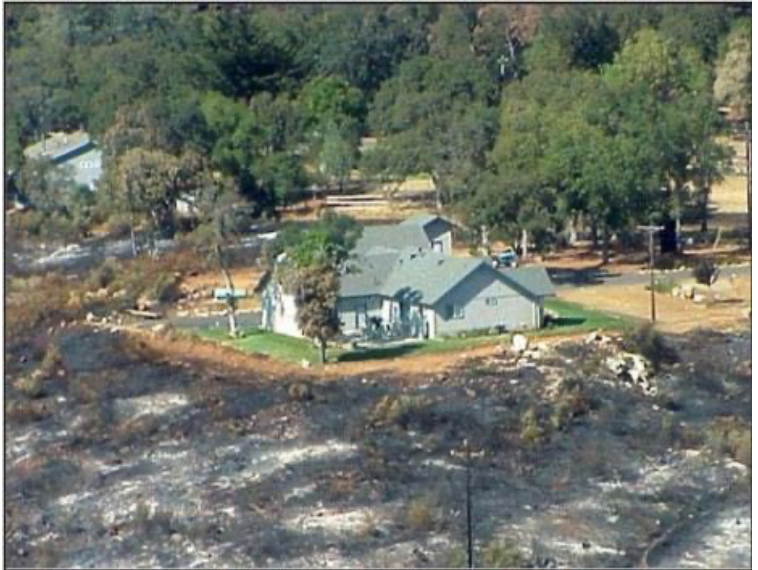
<point>439,231</point>
<point>283,318</point>
<point>512,311</point>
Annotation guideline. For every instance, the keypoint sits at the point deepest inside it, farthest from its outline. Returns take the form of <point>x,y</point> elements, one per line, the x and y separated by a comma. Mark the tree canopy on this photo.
<point>500,104</point>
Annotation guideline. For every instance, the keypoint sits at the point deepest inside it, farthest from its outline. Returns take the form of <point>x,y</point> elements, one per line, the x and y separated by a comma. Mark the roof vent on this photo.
<point>440,261</point>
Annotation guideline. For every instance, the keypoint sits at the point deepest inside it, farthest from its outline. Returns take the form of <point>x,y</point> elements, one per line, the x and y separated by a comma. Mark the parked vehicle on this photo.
<point>506,258</point>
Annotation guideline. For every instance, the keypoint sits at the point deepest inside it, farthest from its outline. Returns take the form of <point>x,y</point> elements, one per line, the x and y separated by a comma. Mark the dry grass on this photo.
<point>673,314</point>
<point>421,514</point>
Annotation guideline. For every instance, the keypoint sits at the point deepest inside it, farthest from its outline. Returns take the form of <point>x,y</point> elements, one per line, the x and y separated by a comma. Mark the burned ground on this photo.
<point>126,457</point>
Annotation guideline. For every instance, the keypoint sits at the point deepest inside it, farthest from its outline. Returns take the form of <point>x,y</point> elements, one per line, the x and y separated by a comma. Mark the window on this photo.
<point>455,312</point>
<point>491,301</point>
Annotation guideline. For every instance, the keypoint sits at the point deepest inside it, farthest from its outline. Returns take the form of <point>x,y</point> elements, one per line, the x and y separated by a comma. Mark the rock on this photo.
<point>305,363</point>
<point>519,343</point>
<point>102,293</point>
<point>159,328</point>
<point>688,291</point>
<point>698,298</point>
<point>676,292</point>
<point>145,304</point>
<point>176,538</point>
<point>119,294</point>
<point>90,318</point>
<point>594,336</point>
<point>470,393</point>
<point>747,313</point>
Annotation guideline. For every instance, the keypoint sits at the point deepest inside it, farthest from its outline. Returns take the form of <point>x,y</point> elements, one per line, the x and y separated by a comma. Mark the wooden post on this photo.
<point>749,172</point>
<point>651,231</point>
<point>469,521</point>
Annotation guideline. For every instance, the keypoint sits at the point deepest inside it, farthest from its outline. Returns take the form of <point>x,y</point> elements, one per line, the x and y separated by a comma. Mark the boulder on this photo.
<point>519,343</point>
<point>698,299</point>
<point>688,291</point>
<point>90,318</point>
<point>146,304</point>
<point>159,328</point>
<point>676,292</point>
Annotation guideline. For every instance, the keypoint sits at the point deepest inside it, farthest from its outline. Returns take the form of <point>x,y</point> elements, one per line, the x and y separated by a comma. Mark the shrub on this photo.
<point>397,410</point>
<point>648,342</point>
<point>531,433</point>
<point>300,392</point>
<point>705,272</point>
<point>104,275</point>
<point>52,361</point>
<point>27,412</point>
<point>572,403</point>
<point>730,435</point>
<point>420,514</point>
<point>502,555</point>
<point>31,386</point>
<point>456,557</point>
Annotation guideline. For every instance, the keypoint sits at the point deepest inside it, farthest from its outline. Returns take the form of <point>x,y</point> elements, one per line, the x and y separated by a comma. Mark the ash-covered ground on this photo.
<point>125,459</point>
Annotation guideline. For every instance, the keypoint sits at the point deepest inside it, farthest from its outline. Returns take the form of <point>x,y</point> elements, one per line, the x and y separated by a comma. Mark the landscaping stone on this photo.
<point>519,343</point>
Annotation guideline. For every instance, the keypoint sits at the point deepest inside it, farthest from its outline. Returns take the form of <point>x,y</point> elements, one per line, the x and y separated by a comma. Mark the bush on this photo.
<point>31,386</point>
<point>52,361</point>
<point>420,514</point>
<point>648,342</point>
<point>104,275</point>
<point>502,555</point>
<point>531,433</point>
<point>572,403</point>
<point>397,410</point>
<point>731,436</point>
<point>705,272</point>
<point>27,412</point>
<point>300,392</point>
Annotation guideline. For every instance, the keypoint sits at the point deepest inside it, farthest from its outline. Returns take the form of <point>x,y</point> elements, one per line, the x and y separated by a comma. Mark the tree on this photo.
<point>316,291</point>
<point>45,185</point>
<point>434,117</point>
<point>314,260</point>
<point>222,216</point>
<point>337,156</point>
<point>332,102</point>
<point>149,182</point>
<point>502,33</point>
<point>733,84</point>
<point>659,96</point>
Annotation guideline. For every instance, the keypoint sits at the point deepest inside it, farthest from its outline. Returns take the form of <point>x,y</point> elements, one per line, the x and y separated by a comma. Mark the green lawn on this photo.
<point>433,346</point>
<point>574,318</point>
<point>278,346</point>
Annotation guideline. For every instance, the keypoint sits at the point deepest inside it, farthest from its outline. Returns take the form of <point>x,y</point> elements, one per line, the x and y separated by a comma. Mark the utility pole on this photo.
<point>469,521</point>
<point>651,231</point>
<point>749,173</point>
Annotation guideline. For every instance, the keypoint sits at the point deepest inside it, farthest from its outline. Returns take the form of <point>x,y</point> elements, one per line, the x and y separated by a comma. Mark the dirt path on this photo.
<point>214,357</point>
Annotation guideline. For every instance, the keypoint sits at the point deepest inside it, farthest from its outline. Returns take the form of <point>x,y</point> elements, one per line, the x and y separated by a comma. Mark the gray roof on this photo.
<point>427,277</point>
<point>365,275</point>
<point>395,237</point>
<point>421,219</point>
<point>533,279</point>
<point>58,145</point>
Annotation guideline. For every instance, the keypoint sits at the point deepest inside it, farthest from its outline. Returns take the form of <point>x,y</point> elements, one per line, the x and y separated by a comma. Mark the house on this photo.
<point>74,153</point>
<point>418,291</point>
<point>422,231</point>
